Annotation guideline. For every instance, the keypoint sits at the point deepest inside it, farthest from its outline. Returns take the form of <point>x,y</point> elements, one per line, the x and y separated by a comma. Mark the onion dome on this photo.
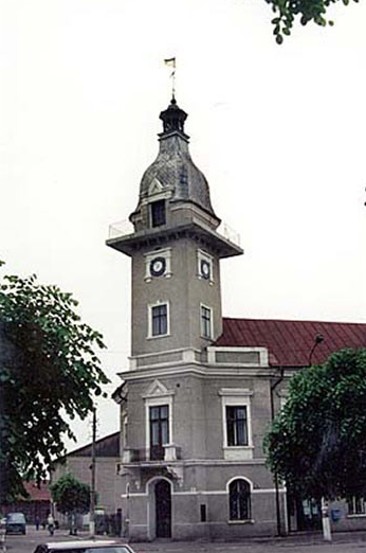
<point>173,172</point>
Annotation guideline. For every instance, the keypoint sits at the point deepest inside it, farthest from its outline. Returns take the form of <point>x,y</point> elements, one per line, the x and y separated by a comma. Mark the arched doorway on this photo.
<point>163,509</point>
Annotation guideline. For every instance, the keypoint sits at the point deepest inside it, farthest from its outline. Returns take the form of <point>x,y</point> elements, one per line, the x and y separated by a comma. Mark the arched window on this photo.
<point>239,500</point>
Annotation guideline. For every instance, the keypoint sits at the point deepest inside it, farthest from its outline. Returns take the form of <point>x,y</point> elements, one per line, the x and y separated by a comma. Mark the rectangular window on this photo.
<point>157,213</point>
<point>237,425</point>
<point>159,431</point>
<point>159,320</point>
<point>356,506</point>
<point>206,322</point>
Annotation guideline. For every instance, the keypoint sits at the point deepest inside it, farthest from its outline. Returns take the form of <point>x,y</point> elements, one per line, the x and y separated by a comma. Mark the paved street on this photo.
<point>342,543</point>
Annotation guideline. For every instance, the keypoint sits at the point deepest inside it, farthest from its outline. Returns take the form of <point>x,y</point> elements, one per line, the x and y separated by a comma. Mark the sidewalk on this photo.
<point>343,542</point>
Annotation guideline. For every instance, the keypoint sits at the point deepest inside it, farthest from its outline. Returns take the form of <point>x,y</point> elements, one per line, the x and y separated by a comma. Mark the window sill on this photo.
<point>357,515</point>
<point>247,521</point>
<point>238,453</point>
<point>157,337</point>
<point>237,447</point>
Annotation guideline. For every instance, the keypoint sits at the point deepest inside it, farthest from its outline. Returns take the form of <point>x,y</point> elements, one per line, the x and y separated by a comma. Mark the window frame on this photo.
<point>358,506</point>
<point>162,423</point>
<point>203,322</point>
<point>156,396</point>
<point>236,397</point>
<point>151,307</point>
<point>236,425</point>
<point>245,496</point>
<point>157,213</point>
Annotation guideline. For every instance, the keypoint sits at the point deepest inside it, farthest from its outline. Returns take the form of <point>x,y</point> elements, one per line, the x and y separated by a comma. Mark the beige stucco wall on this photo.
<point>107,482</point>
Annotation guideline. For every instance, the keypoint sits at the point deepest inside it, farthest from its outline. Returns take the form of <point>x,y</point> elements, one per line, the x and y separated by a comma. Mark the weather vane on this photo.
<point>171,62</point>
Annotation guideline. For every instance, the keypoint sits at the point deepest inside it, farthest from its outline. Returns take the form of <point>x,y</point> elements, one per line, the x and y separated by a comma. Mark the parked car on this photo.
<point>15,523</point>
<point>84,546</point>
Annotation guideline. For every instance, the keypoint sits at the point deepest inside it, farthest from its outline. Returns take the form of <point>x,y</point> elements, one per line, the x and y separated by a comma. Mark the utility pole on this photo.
<point>92,468</point>
<point>276,482</point>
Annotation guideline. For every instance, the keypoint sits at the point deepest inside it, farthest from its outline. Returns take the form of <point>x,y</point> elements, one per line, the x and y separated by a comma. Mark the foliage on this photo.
<point>48,372</point>
<point>287,11</point>
<point>70,495</point>
<point>317,443</point>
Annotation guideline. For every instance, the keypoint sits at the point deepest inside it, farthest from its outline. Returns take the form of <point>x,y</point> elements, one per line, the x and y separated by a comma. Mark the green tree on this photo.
<point>72,497</point>
<point>49,373</point>
<point>288,11</point>
<point>317,443</point>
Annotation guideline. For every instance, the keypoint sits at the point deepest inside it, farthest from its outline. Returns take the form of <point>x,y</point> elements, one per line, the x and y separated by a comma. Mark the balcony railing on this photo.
<point>166,453</point>
<point>123,228</point>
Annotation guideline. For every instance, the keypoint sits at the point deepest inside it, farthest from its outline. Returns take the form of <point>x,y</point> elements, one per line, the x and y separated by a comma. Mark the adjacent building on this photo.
<point>107,457</point>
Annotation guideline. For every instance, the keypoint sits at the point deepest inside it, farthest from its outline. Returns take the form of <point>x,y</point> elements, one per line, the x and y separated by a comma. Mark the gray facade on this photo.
<point>179,465</point>
<point>198,463</point>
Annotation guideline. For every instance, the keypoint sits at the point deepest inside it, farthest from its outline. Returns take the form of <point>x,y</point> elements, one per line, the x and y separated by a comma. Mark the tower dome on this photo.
<point>173,172</point>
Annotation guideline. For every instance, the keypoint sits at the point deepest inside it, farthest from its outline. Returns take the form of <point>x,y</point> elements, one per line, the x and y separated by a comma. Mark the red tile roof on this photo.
<point>41,493</point>
<point>289,343</point>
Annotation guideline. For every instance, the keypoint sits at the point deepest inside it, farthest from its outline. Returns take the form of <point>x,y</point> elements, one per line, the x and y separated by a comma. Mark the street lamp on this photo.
<point>319,338</point>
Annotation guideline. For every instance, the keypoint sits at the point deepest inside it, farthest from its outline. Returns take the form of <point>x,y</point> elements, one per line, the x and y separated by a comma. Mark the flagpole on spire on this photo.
<point>171,62</point>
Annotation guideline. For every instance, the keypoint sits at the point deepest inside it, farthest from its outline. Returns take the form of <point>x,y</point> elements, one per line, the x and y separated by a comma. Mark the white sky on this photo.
<point>278,131</point>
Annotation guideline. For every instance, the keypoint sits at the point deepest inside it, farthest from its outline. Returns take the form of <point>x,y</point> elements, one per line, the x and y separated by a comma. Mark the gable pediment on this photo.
<point>157,389</point>
<point>155,187</point>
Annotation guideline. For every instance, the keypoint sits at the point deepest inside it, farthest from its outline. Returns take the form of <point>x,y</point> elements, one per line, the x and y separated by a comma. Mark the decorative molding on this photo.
<point>235,392</point>
<point>157,389</point>
<point>193,368</point>
<point>155,187</point>
<point>262,352</point>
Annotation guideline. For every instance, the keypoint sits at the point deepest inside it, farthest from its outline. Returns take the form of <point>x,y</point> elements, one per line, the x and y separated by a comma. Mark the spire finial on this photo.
<point>173,118</point>
<point>171,62</point>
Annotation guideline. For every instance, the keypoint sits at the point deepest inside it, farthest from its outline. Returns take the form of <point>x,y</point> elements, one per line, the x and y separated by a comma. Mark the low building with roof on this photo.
<point>35,506</point>
<point>107,482</point>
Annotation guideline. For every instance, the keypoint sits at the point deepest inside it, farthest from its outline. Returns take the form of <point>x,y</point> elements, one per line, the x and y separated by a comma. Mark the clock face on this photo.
<point>157,266</point>
<point>205,269</point>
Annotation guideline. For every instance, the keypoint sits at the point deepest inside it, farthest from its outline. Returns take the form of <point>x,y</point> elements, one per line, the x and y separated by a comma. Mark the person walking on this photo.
<point>51,524</point>
<point>36,522</point>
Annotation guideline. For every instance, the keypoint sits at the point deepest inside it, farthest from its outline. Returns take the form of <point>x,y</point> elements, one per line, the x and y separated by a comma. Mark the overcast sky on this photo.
<point>279,131</point>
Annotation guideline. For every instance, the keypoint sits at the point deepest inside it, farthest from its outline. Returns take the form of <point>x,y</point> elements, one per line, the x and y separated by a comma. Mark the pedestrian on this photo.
<point>36,522</point>
<point>51,524</point>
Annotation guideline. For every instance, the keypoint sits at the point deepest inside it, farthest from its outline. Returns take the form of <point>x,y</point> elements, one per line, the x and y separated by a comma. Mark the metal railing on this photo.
<point>125,227</point>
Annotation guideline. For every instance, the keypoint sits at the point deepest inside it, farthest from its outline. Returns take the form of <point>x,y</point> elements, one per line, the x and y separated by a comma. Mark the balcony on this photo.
<point>124,228</point>
<point>166,454</point>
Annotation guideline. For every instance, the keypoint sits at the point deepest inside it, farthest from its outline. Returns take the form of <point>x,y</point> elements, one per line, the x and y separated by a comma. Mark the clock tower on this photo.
<point>175,250</point>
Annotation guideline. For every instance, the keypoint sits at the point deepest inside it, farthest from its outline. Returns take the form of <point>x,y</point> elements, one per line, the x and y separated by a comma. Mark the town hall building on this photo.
<point>201,389</point>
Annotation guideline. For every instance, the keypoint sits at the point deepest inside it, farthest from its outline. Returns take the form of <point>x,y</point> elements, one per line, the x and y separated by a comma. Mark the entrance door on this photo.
<point>163,509</point>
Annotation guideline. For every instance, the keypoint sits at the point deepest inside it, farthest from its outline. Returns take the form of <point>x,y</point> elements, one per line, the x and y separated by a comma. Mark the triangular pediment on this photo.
<point>155,187</point>
<point>156,388</point>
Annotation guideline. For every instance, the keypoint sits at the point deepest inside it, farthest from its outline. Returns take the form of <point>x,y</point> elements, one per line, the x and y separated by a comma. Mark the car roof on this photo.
<point>81,544</point>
